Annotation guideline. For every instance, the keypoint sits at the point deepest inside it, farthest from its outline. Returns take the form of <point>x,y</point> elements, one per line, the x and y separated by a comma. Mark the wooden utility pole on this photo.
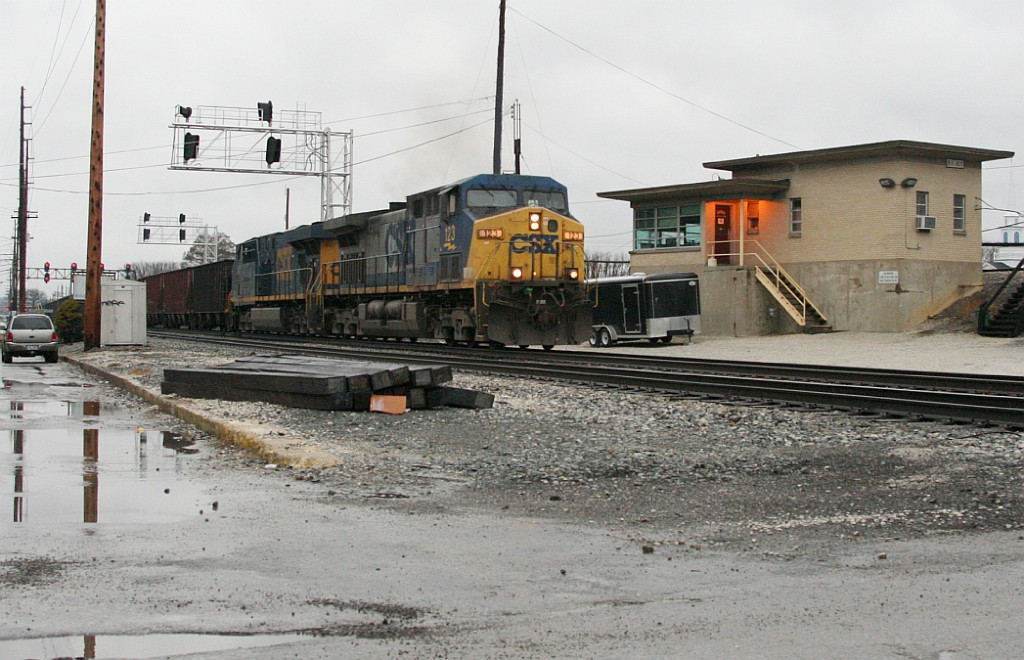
<point>498,102</point>
<point>93,271</point>
<point>22,232</point>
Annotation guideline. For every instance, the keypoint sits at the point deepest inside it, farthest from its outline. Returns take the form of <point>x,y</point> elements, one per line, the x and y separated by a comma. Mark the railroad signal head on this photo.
<point>184,111</point>
<point>191,150</point>
<point>46,266</point>
<point>145,217</point>
<point>181,218</point>
<point>273,150</point>
<point>145,233</point>
<point>266,111</point>
<point>46,277</point>
<point>181,235</point>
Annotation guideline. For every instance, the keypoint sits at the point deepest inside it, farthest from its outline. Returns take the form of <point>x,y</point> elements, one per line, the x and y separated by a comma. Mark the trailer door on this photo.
<point>631,308</point>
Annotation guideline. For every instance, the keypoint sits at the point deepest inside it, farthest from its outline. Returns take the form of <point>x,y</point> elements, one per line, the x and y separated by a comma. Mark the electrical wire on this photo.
<point>398,112</point>
<point>655,85</point>
<point>425,123</point>
<point>39,125</point>
<point>421,144</point>
<point>585,159</point>
<point>533,97</point>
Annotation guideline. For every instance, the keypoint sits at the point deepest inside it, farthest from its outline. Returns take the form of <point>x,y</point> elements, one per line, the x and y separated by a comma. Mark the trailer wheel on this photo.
<point>604,338</point>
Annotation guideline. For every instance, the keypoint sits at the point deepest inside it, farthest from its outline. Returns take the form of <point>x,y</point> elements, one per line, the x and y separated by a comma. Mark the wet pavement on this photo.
<point>124,538</point>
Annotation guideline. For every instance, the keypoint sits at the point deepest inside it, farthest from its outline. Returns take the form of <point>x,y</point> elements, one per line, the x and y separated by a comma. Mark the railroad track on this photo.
<point>986,399</point>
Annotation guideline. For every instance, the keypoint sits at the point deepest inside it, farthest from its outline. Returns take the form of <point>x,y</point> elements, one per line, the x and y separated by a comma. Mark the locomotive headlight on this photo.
<point>572,273</point>
<point>517,273</point>
<point>534,221</point>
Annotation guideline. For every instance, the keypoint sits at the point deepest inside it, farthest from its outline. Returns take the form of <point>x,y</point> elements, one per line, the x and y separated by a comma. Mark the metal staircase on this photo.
<point>788,292</point>
<point>1008,318</point>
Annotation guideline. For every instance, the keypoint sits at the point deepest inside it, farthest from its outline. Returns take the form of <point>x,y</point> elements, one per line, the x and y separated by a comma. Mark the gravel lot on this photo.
<point>674,475</point>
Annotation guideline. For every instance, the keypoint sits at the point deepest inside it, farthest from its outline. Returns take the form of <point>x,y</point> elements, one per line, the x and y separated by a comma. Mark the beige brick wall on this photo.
<point>853,228</point>
<point>848,215</point>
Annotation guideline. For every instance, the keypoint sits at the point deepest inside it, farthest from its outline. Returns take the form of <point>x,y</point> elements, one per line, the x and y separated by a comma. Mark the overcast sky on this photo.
<point>614,95</point>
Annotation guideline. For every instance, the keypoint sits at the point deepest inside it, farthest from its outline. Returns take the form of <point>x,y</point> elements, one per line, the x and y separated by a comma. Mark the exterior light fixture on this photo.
<point>886,182</point>
<point>909,182</point>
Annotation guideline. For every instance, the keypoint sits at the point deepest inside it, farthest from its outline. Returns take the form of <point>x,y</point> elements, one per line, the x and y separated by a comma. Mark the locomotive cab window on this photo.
<point>491,199</point>
<point>548,199</point>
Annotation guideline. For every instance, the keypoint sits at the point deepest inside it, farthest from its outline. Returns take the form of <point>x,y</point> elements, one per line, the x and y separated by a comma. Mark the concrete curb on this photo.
<point>271,444</point>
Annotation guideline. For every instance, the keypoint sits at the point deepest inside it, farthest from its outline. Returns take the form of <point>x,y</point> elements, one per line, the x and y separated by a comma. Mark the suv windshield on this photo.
<point>31,323</point>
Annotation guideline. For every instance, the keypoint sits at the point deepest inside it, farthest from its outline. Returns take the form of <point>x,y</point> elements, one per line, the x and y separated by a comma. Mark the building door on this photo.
<point>631,308</point>
<point>723,227</point>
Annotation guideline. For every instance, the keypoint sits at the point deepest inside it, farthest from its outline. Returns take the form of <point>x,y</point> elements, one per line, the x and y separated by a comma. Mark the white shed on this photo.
<point>123,313</point>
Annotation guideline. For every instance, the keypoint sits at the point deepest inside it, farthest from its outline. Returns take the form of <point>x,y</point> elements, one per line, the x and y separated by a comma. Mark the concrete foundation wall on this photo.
<point>848,293</point>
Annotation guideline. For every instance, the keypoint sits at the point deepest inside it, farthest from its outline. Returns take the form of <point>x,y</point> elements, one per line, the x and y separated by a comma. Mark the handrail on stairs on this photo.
<point>779,276</point>
<point>983,317</point>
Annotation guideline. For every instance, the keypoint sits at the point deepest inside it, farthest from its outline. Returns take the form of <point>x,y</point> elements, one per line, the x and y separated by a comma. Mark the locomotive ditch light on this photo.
<point>572,273</point>
<point>517,273</point>
<point>534,221</point>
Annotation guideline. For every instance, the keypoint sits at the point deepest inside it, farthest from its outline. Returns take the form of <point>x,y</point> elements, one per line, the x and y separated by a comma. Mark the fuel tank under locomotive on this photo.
<point>394,318</point>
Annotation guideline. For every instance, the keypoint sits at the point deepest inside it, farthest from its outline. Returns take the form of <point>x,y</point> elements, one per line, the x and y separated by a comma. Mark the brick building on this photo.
<point>873,237</point>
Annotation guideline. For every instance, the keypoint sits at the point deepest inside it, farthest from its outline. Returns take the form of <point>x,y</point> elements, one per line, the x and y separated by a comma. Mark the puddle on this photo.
<point>42,408</point>
<point>96,475</point>
<point>132,646</point>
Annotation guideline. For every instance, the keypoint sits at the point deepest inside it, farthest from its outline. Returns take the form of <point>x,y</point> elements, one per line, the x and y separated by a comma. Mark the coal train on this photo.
<point>492,259</point>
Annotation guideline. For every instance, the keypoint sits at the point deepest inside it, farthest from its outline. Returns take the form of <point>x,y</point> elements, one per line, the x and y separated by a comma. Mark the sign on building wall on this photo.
<point>888,277</point>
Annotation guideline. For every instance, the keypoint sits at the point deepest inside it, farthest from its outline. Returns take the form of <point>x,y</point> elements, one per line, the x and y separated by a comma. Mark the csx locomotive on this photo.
<point>494,259</point>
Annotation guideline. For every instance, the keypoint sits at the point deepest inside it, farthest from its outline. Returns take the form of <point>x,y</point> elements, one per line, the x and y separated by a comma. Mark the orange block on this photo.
<point>386,403</point>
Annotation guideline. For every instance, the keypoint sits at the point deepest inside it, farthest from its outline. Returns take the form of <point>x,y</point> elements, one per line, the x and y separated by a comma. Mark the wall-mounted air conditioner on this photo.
<point>925,222</point>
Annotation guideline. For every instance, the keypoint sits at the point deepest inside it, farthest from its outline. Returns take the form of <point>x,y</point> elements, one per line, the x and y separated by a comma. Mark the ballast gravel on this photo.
<point>677,473</point>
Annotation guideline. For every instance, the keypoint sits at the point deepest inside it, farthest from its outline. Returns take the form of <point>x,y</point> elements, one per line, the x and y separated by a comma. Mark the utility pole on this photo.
<point>22,233</point>
<point>517,133</point>
<point>498,102</point>
<point>93,275</point>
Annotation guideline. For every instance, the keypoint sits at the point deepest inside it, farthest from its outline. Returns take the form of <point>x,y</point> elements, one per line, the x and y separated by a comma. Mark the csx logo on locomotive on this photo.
<point>534,243</point>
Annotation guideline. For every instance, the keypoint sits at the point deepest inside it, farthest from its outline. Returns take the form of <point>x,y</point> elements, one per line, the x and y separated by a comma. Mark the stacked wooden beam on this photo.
<point>323,384</point>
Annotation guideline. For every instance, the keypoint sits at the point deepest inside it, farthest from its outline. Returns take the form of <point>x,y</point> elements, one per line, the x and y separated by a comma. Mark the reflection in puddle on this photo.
<point>23,409</point>
<point>96,475</point>
<point>130,646</point>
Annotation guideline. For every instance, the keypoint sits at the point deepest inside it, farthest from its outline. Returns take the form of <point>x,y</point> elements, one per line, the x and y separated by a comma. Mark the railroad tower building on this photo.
<point>870,237</point>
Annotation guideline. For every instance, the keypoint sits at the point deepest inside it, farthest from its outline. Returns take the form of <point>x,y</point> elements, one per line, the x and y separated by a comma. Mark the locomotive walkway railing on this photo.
<point>283,283</point>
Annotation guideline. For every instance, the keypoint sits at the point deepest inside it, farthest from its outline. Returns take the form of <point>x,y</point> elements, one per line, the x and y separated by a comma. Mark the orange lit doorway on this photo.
<point>723,227</point>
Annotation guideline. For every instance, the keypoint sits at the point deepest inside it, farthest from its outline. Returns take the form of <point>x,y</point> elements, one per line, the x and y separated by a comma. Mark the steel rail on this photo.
<point>881,391</point>
<point>937,380</point>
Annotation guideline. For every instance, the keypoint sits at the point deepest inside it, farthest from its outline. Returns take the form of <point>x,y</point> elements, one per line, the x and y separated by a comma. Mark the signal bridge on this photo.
<point>263,140</point>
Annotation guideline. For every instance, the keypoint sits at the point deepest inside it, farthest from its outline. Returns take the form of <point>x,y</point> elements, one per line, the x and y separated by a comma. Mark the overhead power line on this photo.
<point>655,85</point>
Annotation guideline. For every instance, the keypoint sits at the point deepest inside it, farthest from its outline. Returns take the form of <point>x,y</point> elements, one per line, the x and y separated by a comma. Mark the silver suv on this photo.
<point>29,335</point>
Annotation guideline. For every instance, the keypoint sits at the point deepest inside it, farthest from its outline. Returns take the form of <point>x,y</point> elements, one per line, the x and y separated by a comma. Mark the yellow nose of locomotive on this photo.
<point>529,245</point>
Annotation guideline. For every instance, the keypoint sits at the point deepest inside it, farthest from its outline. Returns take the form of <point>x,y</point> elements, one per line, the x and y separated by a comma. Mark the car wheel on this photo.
<point>51,357</point>
<point>6,357</point>
<point>604,338</point>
